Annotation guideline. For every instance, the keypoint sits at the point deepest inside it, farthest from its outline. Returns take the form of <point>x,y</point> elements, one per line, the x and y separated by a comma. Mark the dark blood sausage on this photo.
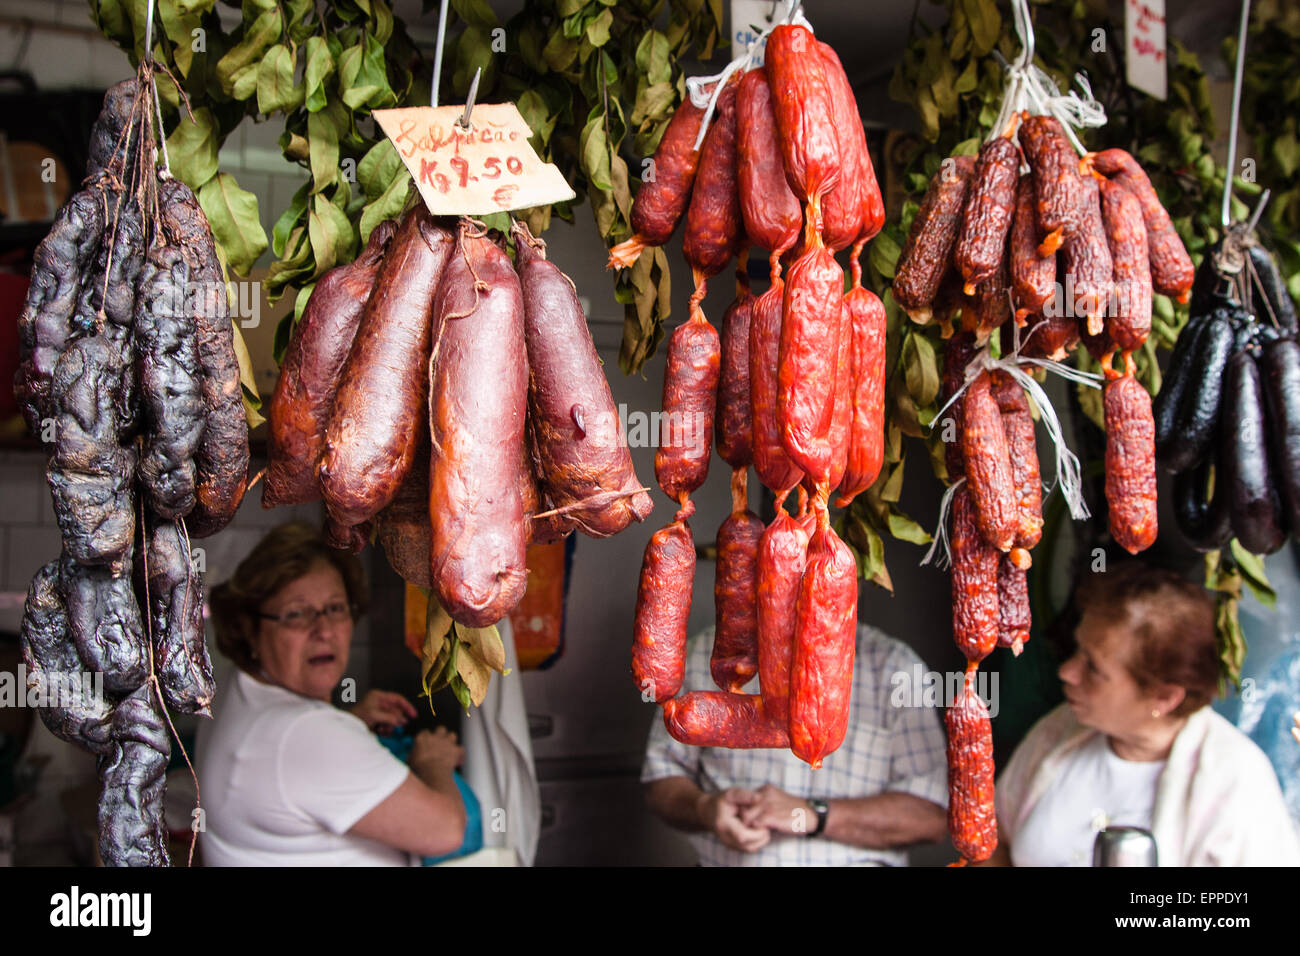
<point>1129,321</point>
<point>1174,385</point>
<point>771,461</point>
<point>110,143</point>
<point>690,397</point>
<point>1277,304</point>
<point>928,249</point>
<point>1033,277</point>
<point>1130,464</point>
<point>71,709</point>
<point>782,556</point>
<point>478,404</point>
<point>1204,519</point>
<point>132,831</point>
<point>711,718</point>
<point>972,816</point>
<point>769,208</point>
<point>734,418</point>
<point>1022,448</point>
<point>808,359</point>
<point>47,322</point>
<point>957,354</point>
<point>735,589</point>
<point>117,268</point>
<point>974,582</point>
<point>90,475</point>
<point>1089,271</point>
<point>662,197</point>
<point>582,455</point>
<point>821,669</point>
<point>1171,267</point>
<point>166,342</point>
<point>176,618</point>
<point>1059,196</point>
<point>713,227</point>
<point>1280,370</point>
<point>1198,413</point>
<point>1013,605</point>
<point>854,210</point>
<point>990,203</point>
<point>1255,503</point>
<point>299,410</point>
<point>222,457</point>
<point>802,101</point>
<point>105,625</point>
<point>987,459</point>
<point>866,450</point>
<point>374,425</point>
<point>663,610</point>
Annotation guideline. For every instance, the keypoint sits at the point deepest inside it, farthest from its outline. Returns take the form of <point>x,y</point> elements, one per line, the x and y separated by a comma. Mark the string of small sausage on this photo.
<point>992,243</point>
<point>796,386</point>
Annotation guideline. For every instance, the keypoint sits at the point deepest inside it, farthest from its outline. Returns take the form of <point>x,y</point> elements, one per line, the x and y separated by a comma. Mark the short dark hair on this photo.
<point>284,555</point>
<point>1171,623</point>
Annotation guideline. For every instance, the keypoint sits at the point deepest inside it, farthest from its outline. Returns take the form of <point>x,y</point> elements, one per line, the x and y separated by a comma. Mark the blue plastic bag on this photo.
<point>399,744</point>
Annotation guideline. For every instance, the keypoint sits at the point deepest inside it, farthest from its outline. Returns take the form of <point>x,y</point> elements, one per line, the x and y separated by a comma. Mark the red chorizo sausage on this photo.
<point>713,229</point>
<point>802,103</point>
<point>782,556</point>
<point>866,450</point>
<point>821,669</point>
<point>1022,449</point>
<point>1129,322</point>
<point>663,610</point>
<point>309,377</point>
<point>842,415</point>
<point>478,404</point>
<point>711,718</point>
<point>735,639</point>
<point>690,398</point>
<point>972,815</point>
<point>771,461</point>
<point>374,425</point>
<point>770,211</point>
<point>734,418</point>
<point>1013,605</point>
<point>854,210</point>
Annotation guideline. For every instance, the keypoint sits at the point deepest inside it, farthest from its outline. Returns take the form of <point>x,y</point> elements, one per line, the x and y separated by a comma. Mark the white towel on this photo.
<point>499,761</point>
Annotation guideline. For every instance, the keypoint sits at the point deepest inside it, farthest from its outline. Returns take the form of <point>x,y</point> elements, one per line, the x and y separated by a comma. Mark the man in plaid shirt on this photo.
<point>883,789</point>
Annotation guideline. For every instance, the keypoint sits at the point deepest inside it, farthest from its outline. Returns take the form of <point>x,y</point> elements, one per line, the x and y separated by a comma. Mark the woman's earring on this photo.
<point>1155,713</point>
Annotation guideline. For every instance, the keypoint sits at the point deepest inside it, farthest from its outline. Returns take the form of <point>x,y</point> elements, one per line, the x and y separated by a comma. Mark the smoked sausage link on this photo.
<point>972,817</point>
<point>713,228</point>
<point>771,461</point>
<point>1033,276</point>
<point>304,393</point>
<point>821,669</point>
<point>660,201</point>
<point>802,99</point>
<point>374,426</point>
<point>582,455</point>
<point>734,420</point>
<point>974,583</point>
<point>928,250</point>
<point>990,204</point>
<point>1172,272</point>
<point>987,459</point>
<point>1129,322</point>
<point>1022,448</point>
<point>478,405</point>
<point>866,451</point>
<point>735,590</point>
<point>663,611</point>
<point>1058,185</point>
<point>690,396</point>
<point>711,718</point>
<point>854,209</point>
<point>782,555</point>
<point>770,211</point>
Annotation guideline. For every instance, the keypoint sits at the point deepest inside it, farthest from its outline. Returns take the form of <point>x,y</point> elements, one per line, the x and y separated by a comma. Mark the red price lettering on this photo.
<point>442,182</point>
<point>514,164</point>
<point>504,196</point>
<point>459,164</point>
<point>493,166</point>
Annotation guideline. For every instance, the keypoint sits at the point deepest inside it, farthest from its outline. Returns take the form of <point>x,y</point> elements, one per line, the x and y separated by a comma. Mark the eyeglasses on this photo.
<point>302,618</point>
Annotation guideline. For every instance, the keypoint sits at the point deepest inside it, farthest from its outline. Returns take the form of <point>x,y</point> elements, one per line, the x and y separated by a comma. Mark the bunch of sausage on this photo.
<point>794,386</point>
<point>451,403</point>
<point>1069,250</point>
<point>1228,415</point>
<point>129,371</point>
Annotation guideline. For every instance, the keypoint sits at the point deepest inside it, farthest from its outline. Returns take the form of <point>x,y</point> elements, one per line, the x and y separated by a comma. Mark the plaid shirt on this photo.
<point>887,748</point>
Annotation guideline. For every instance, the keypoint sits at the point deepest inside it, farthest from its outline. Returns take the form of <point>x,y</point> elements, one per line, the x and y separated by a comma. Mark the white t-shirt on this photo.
<point>1095,789</point>
<point>283,778</point>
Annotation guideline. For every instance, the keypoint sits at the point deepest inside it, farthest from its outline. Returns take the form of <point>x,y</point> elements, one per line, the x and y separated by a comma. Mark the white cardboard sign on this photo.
<point>1144,46</point>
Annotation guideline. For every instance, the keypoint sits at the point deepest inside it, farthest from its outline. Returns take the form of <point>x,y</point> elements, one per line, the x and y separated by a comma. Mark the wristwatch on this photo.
<point>823,811</point>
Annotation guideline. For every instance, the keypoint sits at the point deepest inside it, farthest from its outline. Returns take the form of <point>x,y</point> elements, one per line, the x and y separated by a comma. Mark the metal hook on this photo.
<point>463,122</point>
<point>148,32</point>
<point>437,55</point>
<point>1225,216</point>
<point>1259,211</point>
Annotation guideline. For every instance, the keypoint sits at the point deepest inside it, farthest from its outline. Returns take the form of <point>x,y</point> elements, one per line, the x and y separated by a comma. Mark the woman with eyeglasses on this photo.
<point>286,778</point>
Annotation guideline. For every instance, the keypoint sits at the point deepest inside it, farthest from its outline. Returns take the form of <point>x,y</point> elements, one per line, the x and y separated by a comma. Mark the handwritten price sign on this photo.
<point>1144,30</point>
<point>489,167</point>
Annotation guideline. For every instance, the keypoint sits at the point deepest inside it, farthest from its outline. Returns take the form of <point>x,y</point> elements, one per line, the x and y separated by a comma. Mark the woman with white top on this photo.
<point>286,778</point>
<point>1136,743</point>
